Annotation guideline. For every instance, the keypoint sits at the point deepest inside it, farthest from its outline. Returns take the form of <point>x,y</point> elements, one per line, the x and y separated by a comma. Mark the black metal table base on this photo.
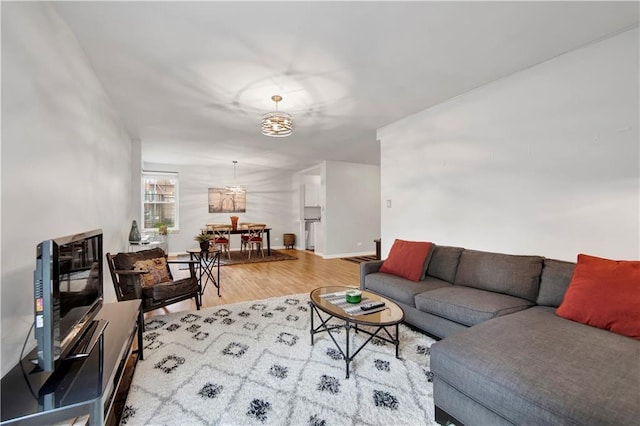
<point>346,354</point>
<point>207,261</point>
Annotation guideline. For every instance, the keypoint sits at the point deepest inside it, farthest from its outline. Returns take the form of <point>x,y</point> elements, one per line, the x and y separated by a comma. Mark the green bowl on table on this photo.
<point>354,296</point>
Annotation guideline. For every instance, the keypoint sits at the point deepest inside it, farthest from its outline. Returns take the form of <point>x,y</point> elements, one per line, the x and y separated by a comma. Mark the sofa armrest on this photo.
<point>367,268</point>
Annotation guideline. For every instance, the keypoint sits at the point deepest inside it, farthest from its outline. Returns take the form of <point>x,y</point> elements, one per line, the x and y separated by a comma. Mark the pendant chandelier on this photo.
<point>277,124</point>
<point>235,188</point>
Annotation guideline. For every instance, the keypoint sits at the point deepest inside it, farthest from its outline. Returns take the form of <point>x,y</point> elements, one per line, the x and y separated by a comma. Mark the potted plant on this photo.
<point>204,240</point>
<point>163,227</point>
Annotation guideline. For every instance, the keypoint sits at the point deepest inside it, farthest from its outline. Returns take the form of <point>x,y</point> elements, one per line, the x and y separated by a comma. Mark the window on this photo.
<point>159,200</point>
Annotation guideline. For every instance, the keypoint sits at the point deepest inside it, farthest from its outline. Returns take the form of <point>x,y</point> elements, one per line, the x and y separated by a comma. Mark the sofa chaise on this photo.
<point>505,356</point>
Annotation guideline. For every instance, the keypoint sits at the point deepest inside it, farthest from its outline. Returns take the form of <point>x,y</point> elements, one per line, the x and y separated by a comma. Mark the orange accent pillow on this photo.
<point>157,271</point>
<point>407,259</point>
<point>604,293</point>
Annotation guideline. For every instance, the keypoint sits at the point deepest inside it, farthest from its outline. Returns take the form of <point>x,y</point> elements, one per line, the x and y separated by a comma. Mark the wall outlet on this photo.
<point>388,204</point>
<point>358,244</point>
<point>276,239</point>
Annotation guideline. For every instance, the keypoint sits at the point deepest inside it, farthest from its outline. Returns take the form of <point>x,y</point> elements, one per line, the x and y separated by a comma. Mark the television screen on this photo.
<point>80,269</point>
<point>68,292</point>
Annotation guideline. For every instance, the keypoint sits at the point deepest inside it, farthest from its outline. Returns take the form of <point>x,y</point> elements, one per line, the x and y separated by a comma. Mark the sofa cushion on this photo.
<point>555,278</point>
<point>515,275</point>
<point>167,290</point>
<point>533,367</point>
<point>400,289</point>
<point>468,306</point>
<point>444,262</point>
<point>407,259</point>
<point>604,293</point>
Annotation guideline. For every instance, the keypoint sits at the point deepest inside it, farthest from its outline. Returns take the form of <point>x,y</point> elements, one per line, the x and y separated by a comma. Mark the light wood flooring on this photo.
<point>255,281</point>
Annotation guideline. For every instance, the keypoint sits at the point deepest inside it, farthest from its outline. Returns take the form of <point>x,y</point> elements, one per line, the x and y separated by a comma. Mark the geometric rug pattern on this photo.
<point>253,363</point>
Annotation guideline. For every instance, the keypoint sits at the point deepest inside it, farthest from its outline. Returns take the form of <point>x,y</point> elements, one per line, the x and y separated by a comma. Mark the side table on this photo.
<point>378,242</point>
<point>149,245</point>
<point>207,260</point>
<point>289,240</point>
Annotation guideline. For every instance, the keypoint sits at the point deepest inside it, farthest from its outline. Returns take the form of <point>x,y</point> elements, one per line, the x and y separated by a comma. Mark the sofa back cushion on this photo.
<point>556,276</point>
<point>126,261</point>
<point>444,262</point>
<point>501,273</point>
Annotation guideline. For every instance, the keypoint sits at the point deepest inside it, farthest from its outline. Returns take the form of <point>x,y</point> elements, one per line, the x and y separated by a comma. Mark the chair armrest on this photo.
<point>136,281</point>
<point>193,262</point>
<point>129,272</point>
<point>367,268</point>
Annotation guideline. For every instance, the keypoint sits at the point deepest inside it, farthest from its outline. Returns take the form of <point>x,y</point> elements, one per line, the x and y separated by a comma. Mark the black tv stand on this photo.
<point>84,385</point>
<point>86,344</point>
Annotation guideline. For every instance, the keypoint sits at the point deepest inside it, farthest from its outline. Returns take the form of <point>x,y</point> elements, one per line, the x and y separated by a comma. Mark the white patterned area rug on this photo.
<point>253,363</point>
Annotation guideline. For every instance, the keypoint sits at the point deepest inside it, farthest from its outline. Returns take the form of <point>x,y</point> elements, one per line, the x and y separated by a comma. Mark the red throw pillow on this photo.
<point>604,293</point>
<point>407,259</point>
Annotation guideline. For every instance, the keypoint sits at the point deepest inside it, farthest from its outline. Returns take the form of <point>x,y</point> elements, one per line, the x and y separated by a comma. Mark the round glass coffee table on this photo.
<point>332,302</point>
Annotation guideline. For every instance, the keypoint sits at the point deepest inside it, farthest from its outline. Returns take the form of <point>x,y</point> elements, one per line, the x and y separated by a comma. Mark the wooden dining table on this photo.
<point>266,230</point>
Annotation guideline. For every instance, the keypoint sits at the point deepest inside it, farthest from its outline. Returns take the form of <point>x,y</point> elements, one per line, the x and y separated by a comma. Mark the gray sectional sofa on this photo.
<point>505,357</point>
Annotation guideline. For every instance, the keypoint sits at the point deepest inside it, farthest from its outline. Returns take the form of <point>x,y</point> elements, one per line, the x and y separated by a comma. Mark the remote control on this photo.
<point>371,305</point>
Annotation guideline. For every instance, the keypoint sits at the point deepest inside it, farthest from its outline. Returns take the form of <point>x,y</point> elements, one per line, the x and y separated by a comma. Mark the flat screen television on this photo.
<point>68,292</point>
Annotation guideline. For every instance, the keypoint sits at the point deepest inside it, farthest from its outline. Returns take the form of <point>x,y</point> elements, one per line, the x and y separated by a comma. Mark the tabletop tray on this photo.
<point>340,300</point>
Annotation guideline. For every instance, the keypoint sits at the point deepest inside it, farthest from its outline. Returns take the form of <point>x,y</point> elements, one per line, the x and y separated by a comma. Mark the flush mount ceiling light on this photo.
<point>277,124</point>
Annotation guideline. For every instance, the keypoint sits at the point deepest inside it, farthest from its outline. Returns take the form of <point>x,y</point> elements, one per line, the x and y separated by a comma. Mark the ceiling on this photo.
<point>191,79</point>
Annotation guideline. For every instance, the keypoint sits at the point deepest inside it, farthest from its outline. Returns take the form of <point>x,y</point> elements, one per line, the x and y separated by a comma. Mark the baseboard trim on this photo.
<point>341,255</point>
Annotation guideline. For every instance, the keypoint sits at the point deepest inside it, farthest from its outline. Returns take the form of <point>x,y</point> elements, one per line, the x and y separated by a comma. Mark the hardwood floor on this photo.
<point>255,281</point>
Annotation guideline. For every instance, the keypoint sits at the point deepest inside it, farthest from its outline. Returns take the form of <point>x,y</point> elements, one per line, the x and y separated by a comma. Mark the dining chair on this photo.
<point>243,227</point>
<point>222,238</point>
<point>255,232</point>
<point>209,227</point>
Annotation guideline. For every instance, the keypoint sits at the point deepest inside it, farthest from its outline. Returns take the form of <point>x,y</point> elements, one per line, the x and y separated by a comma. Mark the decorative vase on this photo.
<point>234,222</point>
<point>204,245</point>
<point>134,234</point>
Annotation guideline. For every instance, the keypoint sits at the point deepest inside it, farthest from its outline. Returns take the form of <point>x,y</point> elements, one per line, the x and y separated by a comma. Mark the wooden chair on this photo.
<point>222,238</point>
<point>146,275</point>
<point>209,227</point>
<point>244,235</point>
<point>254,237</point>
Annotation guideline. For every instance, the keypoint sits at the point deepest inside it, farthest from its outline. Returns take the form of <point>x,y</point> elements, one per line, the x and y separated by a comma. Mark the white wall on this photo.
<point>545,161</point>
<point>351,216</point>
<point>66,159</point>
<point>269,200</point>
